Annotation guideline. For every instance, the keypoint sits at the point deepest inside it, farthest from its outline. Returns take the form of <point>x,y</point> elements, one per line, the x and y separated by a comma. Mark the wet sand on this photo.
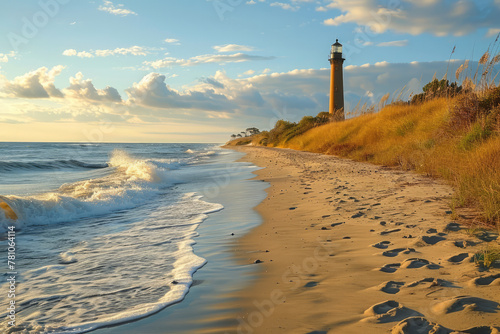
<point>349,247</point>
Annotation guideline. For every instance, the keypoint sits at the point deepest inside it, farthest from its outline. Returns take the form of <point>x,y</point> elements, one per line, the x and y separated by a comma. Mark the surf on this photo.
<point>130,182</point>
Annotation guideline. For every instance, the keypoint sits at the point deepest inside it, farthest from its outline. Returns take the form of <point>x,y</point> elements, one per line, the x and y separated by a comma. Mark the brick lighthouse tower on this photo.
<point>337,82</point>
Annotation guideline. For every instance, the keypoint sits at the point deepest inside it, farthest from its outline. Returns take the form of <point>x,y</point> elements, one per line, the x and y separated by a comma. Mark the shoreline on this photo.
<point>350,247</point>
<point>209,305</point>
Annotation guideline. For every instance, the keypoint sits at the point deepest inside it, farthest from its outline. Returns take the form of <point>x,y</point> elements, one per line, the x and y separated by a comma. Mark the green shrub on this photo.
<point>480,131</point>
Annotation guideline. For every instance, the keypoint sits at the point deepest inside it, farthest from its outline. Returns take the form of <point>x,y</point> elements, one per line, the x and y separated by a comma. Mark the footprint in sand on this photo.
<point>464,243</point>
<point>427,240</point>
<point>357,215</point>
<point>311,284</point>
<point>388,311</point>
<point>390,231</point>
<point>460,258</point>
<point>489,280</point>
<point>397,251</point>
<point>413,263</point>
<point>393,287</point>
<point>433,282</point>
<point>481,330</point>
<point>465,303</point>
<point>382,245</point>
<point>432,240</point>
<point>390,268</point>
<point>418,325</point>
<point>390,287</point>
<point>452,227</point>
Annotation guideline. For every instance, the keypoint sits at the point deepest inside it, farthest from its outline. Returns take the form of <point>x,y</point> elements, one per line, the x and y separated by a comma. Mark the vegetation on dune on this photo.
<point>449,131</point>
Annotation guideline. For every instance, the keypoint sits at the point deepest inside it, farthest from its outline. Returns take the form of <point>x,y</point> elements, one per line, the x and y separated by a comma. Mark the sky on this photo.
<point>201,70</point>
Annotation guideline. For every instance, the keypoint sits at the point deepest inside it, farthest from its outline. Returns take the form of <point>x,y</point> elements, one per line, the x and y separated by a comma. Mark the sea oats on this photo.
<point>468,84</point>
<point>459,71</point>
<point>484,59</point>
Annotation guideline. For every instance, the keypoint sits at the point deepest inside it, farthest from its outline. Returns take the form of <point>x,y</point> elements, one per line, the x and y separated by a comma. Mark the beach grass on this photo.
<point>487,257</point>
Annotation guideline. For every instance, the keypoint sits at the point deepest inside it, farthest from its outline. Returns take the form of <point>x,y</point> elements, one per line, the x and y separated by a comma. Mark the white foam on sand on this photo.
<point>116,278</point>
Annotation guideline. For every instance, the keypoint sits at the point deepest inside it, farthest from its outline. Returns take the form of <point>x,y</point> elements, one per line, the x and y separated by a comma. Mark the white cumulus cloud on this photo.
<point>109,7</point>
<point>285,6</point>
<point>438,17</point>
<point>204,59</point>
<point>172,41</point>
<point>34,84</point>
<point>232,48</point>
<point>4,57</point>
<point>133,50</point>
<point>84,89</point>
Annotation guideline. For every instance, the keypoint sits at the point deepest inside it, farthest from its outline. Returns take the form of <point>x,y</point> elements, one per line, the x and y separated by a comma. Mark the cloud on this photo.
<point>35,84</point>
<point>84,90</point>
<point>438,17</point>
<point>109,7</point>
<point>394,43</point>
<point>285,6</point>
<point>70,52</point>
<point>204,59</point>
<point>152,91</point>
<point>260,99</point>
<point>133,50</point>
<point>4,57</point>
<point>493,32</point>
<point>81,54</point>
<point>232,48</point>
<point>39,84</point>
<point>213,82</point>
<point>172,41</point>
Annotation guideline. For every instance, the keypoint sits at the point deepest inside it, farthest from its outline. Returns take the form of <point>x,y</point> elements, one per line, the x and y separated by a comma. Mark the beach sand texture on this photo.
<point>349,247</point>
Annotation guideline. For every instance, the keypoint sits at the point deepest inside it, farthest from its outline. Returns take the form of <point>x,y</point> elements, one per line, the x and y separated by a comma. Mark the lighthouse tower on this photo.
<point>337,82</point>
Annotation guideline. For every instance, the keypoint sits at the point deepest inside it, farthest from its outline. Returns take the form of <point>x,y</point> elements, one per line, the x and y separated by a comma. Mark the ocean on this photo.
<point>106,233</point>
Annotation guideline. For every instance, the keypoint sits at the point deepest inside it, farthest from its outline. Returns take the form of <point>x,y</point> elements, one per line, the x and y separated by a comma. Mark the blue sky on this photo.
<point>197,71</point>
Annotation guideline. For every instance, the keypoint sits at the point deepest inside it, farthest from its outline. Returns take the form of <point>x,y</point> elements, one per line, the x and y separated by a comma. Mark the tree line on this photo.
<point>247,133</point>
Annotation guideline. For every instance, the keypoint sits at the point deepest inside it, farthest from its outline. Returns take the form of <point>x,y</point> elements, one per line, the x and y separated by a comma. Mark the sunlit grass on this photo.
<point>487,257</point>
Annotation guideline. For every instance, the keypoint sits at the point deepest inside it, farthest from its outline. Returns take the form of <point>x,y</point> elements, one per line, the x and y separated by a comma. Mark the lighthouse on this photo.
<point>337,82</point>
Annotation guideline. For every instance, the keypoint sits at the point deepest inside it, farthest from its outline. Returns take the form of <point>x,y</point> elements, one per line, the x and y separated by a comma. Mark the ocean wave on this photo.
<point>133,182</point>
<point>13,166</point>
<point>104,280</point>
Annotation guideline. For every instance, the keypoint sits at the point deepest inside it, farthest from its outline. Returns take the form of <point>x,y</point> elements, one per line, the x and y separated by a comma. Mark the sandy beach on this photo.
<point>348,247</point>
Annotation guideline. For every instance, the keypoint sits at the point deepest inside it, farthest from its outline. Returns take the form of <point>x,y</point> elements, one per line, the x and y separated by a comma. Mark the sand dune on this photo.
<point>348,247</point>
